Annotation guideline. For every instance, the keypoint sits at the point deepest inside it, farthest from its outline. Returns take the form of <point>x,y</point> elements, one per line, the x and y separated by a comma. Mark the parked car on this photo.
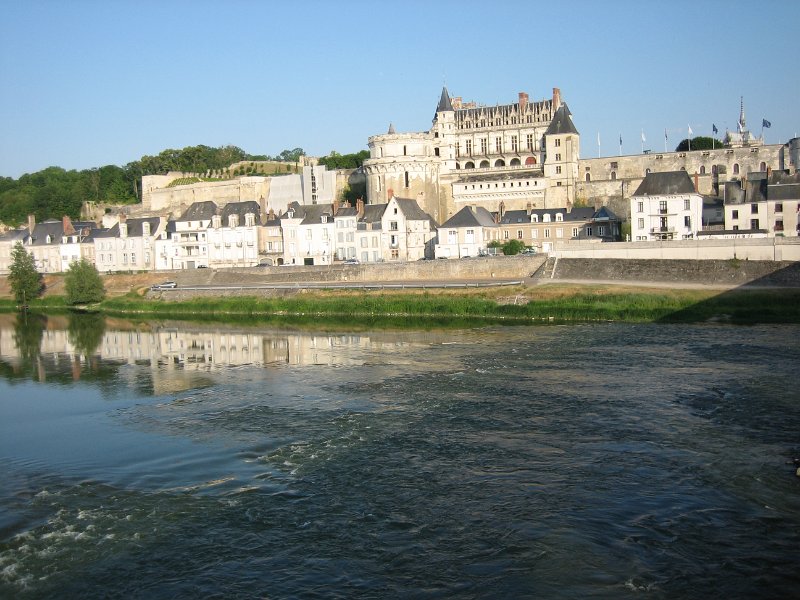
<point>165,285</point>
<point>351,261</point>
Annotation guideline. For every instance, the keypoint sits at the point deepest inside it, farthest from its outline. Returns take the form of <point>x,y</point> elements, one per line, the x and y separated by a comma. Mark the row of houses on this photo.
<point>239,235</point>
<point>667,206</point>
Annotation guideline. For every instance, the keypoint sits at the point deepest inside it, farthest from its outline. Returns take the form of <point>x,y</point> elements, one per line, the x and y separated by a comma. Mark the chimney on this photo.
<point>389,194</point>
<point>696,183</point>
<point>523,101</point>
<point>360,208</point>
<point>271,215</point>
<point>502,209</point>
<point>123,225</point>
<point>334,207</point>
<point>528,208</point>
<point>497,218</point>
<point>556,98</point>
<point>31,224</point>
<point>66,225</point>
<point>456,102</point>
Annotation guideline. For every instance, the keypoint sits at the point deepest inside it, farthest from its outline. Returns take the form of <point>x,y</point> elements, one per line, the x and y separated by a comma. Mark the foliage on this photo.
<point>28,332</point>
<point>512,247</point>
<point>85,331</point>
<point>495,244</point>
<point>83,283</point>
<point>344,161</point>
<point>25,281</point>
<point>699,143</point>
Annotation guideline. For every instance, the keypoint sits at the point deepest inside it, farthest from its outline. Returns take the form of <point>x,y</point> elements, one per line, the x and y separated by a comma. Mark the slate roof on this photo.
<point>665,183</point>
<point>412,211</point>
<point>241,209</point>
<point>470,217</point>
<point>444,102</point>
<point>604,214</point>
<point>55,229</point>
<point>790,191</point>
<point>199,211</point>
<point>135,228</point>
<point>347,211</point>
<point>512,217</point>
<point>562,122</point>
<point>373,213</point>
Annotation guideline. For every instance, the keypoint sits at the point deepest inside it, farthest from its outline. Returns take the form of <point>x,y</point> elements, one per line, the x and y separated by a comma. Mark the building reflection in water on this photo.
<point>67,347</point>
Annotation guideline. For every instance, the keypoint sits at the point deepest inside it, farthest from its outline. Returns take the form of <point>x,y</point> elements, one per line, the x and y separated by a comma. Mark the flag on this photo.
<point>690,130</point>
<point>643,138</point>
<point>665,135</point>
<point>714,128</point>
<point>620,139</point>
<point>765,123</point>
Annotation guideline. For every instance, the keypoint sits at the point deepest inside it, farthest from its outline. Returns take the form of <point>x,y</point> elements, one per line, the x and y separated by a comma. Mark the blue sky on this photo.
<point>89,83</point>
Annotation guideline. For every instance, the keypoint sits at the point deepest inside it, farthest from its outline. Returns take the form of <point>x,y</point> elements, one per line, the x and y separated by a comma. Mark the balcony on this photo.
<point>661,230</point>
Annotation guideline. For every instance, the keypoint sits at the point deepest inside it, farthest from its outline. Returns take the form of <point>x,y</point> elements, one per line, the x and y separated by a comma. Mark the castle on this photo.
<point>527,155</point>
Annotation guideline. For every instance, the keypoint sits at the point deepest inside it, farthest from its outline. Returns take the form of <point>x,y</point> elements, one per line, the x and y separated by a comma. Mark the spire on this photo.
<point>391,129</point>
<point>444,102</point>
<point>741,114</point>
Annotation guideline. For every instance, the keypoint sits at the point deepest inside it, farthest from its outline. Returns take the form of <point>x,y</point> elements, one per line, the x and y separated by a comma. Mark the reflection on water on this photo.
<point>174,460</point>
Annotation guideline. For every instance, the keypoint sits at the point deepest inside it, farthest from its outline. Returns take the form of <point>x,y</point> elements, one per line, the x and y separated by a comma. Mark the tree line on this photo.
<point>54,192</point>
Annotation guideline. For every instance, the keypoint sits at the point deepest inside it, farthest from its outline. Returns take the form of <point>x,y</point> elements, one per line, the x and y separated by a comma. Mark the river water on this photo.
<point>176,460</point>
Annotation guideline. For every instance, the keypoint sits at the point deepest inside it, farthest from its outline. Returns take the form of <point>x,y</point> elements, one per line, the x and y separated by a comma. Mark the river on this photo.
<point>177,460</point>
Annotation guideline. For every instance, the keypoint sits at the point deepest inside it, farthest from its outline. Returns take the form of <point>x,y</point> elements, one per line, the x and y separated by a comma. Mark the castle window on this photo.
<point>736,168</point>
<point>484,164</point>
<point>613,175</point>
<point>484,145</point>
<point>436,152</point>
<point>514,143</point>
<point>763,166</point>
<point>469,147</point>
<point>529,141</point>
<point>406,177</point>
<point>404,150</point>
<point>588,177</point>
<point>702,170</point>
<point>499,163</point>
<point>498,145</point>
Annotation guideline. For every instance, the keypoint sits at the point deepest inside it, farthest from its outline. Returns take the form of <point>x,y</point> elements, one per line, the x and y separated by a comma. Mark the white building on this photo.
<point>233,236</point>
<point>466,233</point>
<point>129,245</point>
<point>309,234</point>
<point>666,206</point>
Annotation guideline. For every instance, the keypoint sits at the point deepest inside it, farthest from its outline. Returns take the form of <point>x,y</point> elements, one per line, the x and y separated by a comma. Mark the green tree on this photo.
<point>699,143</point>
<point>512,247</point>
<point>25,281</point>
<point>85,332</point>
<point>83,283</point>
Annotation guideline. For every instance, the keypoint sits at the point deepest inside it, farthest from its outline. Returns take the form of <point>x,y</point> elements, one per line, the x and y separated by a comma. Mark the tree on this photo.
<point>24,279</point>
<point>512,247</point>
<point>83,283</point>
<point>699,143</point>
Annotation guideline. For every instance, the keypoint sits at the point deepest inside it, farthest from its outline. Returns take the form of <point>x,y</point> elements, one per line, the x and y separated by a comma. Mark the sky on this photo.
<point>87,83</point>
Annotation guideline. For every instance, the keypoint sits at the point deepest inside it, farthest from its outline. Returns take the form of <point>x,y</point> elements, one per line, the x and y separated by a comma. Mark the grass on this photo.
<point>557,303</point>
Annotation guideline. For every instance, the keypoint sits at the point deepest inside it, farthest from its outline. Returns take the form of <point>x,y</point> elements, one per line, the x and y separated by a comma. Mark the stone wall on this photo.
<point>772,249</point>
<point>707,272</point>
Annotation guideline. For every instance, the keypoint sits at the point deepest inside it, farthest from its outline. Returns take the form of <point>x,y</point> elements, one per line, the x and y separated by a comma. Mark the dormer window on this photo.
<point>534,218</point>
<point>546,218</point>
<point>49,239</point>
<point>145,228</point>
<point>324,218</point>
<point>559,217</point>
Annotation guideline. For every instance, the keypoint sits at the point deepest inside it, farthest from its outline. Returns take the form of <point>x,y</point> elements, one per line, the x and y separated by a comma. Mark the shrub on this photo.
<point>83,283</point>
<point>24,279</point>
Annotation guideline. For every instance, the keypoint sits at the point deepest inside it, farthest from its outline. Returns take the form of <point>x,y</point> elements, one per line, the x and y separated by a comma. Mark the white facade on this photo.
<point>666,216</point>
<point>232,243</point>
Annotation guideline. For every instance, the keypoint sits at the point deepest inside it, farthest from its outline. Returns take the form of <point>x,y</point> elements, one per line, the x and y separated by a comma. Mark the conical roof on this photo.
<point>444,102</point>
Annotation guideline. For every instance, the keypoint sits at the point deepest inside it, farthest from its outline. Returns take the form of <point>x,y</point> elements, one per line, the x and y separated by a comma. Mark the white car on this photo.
<point>165,285</point>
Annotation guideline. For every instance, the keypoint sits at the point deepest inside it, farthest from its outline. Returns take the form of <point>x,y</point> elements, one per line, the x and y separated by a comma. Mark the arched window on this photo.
<point>531,160</point>
<point>713,169</point>
<point>588,177</point>
<point>613,175</point>
<point>499,163</point>
<point>702,170</point>
<point>736,168</point>
<point>763,166</point>
<point>515,162</point>
<point>484,164</point>
<point>469,165</point>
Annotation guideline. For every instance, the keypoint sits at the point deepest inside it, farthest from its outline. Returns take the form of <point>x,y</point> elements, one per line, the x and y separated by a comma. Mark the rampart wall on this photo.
<point>771,249</point>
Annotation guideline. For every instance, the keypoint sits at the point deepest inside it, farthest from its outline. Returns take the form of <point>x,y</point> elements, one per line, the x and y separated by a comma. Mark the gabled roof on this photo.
<point>311,214</point>
<point>199,211</point>
<point>470,217</point>
<point>241,209</point>
<point>347,211</point>
<point>373,213</point>
<point>15,235</point>
<point>603,214</point>
<point>55,229</point>
<point>444,102</point>
<point>665,183</point>
<point>411,210</point>
<point>562,122</point>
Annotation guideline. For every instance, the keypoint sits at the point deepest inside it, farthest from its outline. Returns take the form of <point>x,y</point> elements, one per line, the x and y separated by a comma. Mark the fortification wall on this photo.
<point>706,272</point>
<point>617,178</point>
<point>170,199</point>
<point>759,249</point>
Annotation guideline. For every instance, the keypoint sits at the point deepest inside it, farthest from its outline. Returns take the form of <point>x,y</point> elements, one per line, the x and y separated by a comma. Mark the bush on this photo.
<point>83,283</point>
<point>512,247</point>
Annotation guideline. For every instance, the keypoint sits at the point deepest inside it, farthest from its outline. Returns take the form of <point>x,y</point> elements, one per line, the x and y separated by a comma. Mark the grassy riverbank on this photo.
<point>522,304</point>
